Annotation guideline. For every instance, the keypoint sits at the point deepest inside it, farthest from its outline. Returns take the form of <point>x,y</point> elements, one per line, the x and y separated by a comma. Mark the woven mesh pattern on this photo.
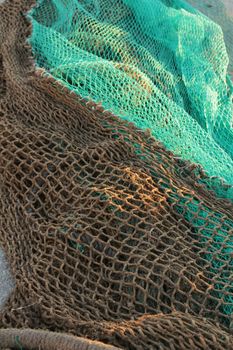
<point>221,12</point>
<point>108,235</point>
<point>158,63</point>
<point>173,331</point>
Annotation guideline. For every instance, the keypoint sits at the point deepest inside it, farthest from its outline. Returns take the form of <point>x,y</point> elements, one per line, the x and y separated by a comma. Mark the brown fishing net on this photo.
<point>108,235</point>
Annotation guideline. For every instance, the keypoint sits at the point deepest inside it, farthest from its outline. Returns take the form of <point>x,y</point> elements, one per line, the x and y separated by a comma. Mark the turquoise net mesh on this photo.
<point>158,63</point>
<point>166,67</point>
<point>221,12</point>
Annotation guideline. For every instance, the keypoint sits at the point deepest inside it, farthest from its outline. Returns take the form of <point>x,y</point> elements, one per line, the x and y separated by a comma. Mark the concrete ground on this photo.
<point>6,280</point>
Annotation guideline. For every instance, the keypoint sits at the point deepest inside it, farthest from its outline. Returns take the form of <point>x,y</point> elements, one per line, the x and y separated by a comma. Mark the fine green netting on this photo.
<point>221,12</point>
<point>158,63</point>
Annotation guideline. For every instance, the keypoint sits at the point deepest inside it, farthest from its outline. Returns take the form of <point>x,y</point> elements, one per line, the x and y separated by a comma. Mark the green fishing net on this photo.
<point>221,12</point>
<point>164,66</point>
<point>158,63</point>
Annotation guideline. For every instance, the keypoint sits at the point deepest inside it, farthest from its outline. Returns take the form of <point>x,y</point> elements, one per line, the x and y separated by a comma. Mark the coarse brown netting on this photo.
<point>108,235</point>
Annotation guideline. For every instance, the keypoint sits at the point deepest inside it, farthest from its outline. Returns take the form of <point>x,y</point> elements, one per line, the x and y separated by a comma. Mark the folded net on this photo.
<point>109,235</point>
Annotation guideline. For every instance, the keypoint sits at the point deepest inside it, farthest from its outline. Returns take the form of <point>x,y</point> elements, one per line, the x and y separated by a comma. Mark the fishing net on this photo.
<point>221,12</point>
<point>109,236</point>
<point>158,63</point>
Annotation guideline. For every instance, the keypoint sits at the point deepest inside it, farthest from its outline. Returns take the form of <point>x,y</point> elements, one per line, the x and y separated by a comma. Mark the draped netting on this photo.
<point>158,63</point>
<point>113,239</point>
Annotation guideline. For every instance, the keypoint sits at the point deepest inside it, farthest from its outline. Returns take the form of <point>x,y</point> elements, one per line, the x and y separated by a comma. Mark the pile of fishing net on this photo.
<point>160,64</point>
<point>116,174</point>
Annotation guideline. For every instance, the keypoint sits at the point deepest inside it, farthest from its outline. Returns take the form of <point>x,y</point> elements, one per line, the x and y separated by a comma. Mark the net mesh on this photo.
<point>221,12</point>
<point>109,236</point>
<point>158,63</point>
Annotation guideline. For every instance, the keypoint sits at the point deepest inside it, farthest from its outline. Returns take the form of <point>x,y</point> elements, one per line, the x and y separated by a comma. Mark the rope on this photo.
<point>29,339</point>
